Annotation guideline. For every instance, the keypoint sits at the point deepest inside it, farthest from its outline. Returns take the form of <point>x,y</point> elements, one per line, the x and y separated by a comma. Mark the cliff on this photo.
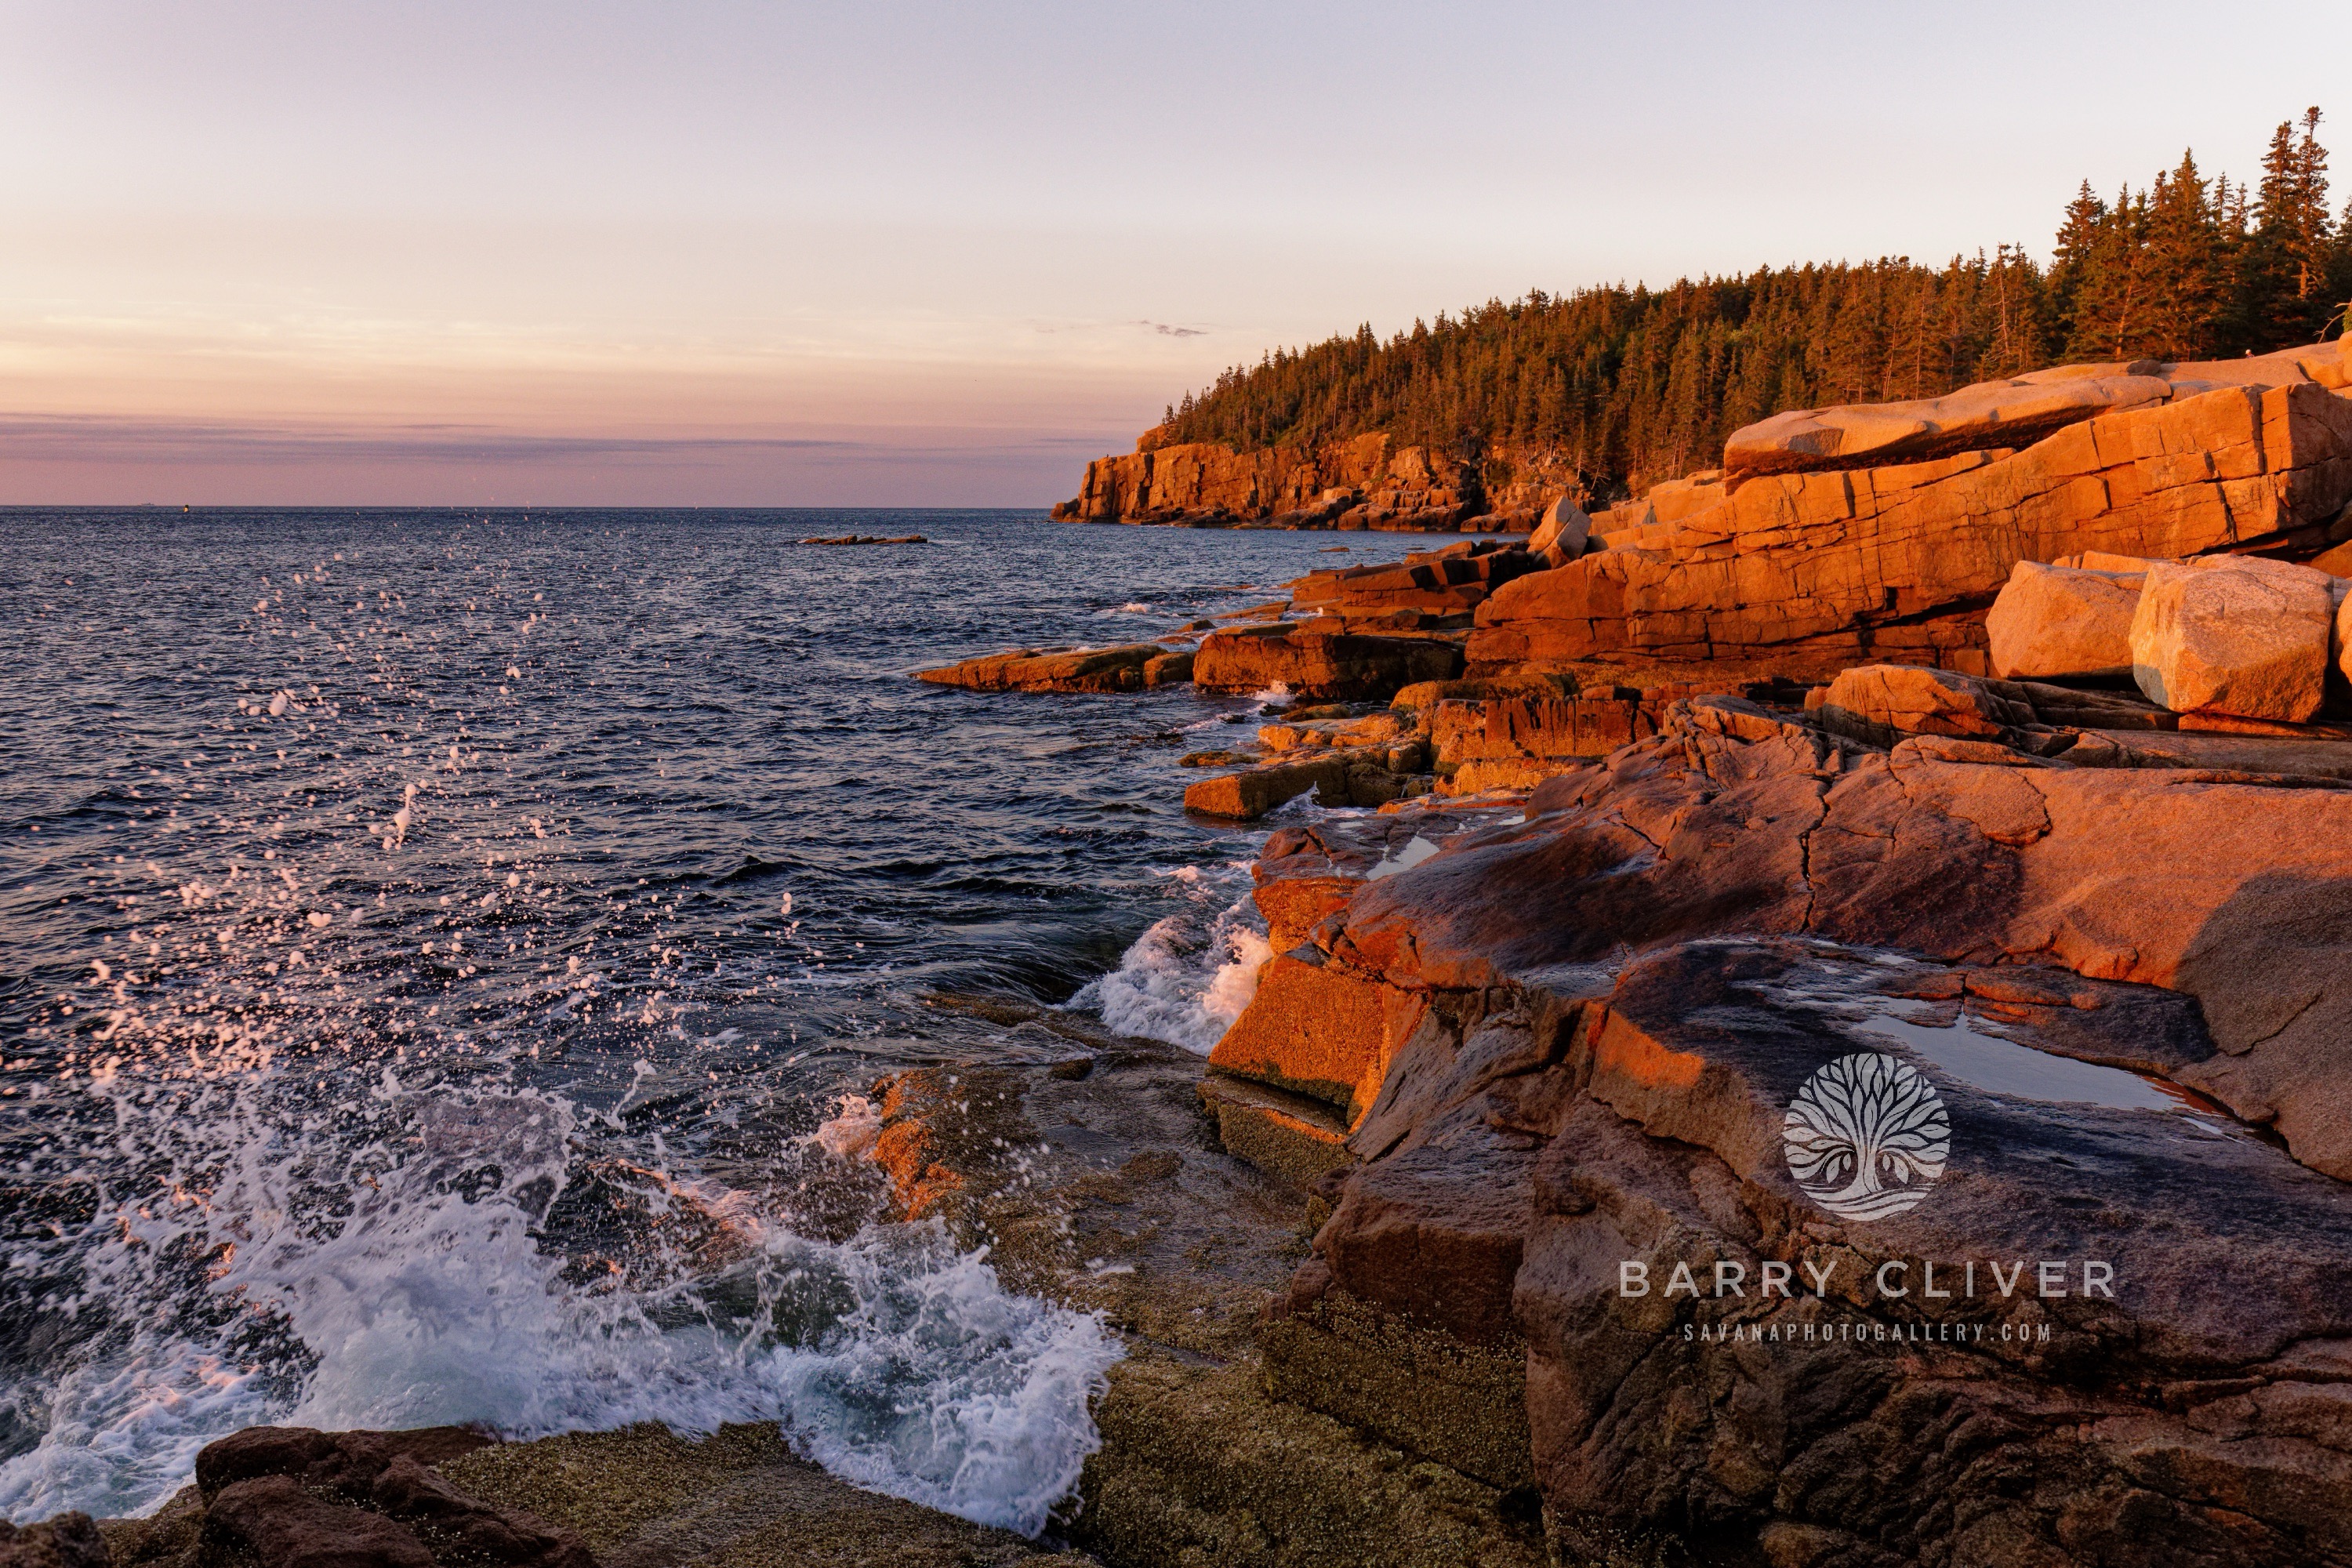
<point>1366,483</point>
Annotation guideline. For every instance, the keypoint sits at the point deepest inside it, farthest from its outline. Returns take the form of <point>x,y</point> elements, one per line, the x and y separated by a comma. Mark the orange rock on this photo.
<point>1058,669</point>
<point>1899,563</point>
<point>1876,703</point>
<point>1317,1030</point>
<point>2014,413</point>
<point>1313,662</point>
<point>2050,621</point>
<point>2234,634</point>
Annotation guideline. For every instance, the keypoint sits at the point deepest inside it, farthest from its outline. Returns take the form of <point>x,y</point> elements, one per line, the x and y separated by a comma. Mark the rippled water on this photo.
<point>433,937</point>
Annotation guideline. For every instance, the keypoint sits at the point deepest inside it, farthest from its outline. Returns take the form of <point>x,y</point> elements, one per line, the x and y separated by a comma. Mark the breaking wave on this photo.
<point>387,1263</point>
<point>1189,974</point>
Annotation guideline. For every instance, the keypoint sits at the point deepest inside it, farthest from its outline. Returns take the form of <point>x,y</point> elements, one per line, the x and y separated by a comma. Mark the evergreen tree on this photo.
<point>1635,385</point>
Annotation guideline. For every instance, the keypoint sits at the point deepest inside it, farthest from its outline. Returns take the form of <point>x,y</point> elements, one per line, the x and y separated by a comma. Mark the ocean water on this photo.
<point>435,941</point>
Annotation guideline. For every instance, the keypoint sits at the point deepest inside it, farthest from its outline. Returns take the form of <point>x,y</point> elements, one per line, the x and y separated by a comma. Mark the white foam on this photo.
<point>1189,974</point>
<point>853,1130</point>
<point>354,1283</point>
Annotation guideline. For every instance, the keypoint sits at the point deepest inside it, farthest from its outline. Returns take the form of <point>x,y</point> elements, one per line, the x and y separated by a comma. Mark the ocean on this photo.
<point>434,940</point>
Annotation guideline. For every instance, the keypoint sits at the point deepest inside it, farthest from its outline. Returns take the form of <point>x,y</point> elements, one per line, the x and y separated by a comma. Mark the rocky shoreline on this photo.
<point>1825,1040</point>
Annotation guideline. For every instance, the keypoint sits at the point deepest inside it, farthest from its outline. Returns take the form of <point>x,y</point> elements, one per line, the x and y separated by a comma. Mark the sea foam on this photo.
<point>1189,974</point>
<point>382,1269</point>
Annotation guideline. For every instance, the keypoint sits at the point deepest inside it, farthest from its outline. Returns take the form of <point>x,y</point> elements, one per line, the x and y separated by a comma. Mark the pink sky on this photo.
<point>931,254</point>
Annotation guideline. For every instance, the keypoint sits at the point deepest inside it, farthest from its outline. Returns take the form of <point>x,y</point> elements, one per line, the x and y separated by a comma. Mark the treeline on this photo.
<point>1638,385</point>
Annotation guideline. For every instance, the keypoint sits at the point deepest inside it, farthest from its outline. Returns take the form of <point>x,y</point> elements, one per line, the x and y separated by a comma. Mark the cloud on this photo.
<point>68,438</point>
<point>1165,331</point>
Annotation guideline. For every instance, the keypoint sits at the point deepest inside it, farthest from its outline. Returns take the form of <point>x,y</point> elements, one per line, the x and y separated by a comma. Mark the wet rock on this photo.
<point>273,1520</point>
<point>1717,1417</point>
<point>1168,669</point>
<point>2234,634</point>
<point>1056,669</point>
<point>1294,1137</point>
<point>68,1541</point>
<point>1314,662</point>
<point>291,1495</point>
<point>647,1498</point>
<point>1202,1466</point>
<point>2050,621</point>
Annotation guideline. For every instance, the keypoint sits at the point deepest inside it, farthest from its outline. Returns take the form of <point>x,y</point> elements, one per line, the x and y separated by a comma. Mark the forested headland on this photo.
<point>1635,383</point>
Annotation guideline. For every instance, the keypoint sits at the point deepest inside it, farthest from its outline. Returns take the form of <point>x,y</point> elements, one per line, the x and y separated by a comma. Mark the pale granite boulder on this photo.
<point>2051,620</point>
<point>2234,634</point>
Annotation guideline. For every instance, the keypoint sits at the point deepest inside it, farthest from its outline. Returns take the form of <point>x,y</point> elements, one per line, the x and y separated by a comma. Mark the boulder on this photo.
<point>1056,669</point>
<point>1879,703</point>
<point>2234,634</point>
<point>1562,535</point>
<point>2050,621</point>
<point>306,1498</point>
<point>1313,661</point>
<point>1250,793</point>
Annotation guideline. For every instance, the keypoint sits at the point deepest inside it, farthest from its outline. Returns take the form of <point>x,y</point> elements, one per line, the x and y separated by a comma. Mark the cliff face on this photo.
<point>1365,483</point>
<point>1805,553</point>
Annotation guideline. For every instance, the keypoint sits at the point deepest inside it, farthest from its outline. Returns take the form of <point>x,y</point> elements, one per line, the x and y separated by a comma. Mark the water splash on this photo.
<point>387,1266</point>
<point>1189,974</point>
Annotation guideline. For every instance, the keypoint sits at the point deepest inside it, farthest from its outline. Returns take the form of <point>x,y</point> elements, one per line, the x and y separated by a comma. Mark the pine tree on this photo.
<point>2078,240</point>
<point>1633,385</point>
<point>2184,288</point>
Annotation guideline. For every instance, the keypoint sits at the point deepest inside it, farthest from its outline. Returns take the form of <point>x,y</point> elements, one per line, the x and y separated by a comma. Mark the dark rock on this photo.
<point>1585,1030</point>
<point>68,1541</point>
<point>272,1521</point>
<point>291,1495</point>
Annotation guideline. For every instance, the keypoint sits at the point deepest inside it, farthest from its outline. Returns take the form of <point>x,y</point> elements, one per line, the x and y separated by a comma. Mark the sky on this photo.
<point>885,254</point>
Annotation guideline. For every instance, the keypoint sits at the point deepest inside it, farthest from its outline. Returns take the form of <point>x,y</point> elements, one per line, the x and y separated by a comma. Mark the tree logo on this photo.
<point>1866,1136</point>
